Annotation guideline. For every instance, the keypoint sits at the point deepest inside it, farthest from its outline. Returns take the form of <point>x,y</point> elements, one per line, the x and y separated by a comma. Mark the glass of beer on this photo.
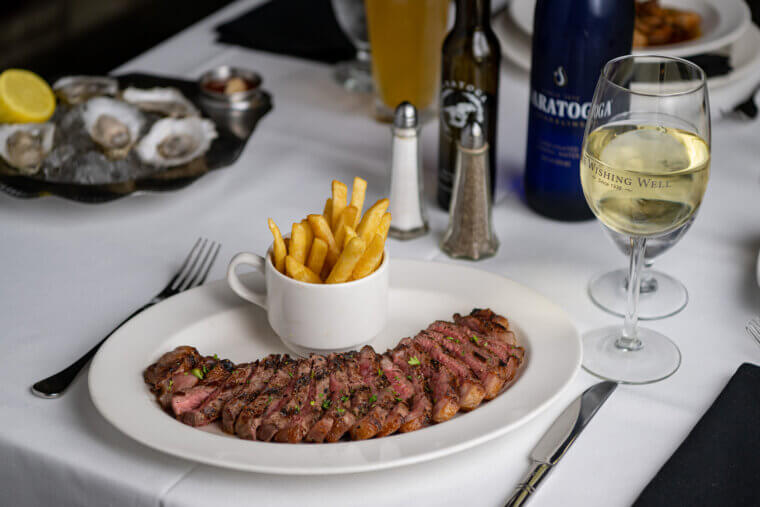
<point>644,168</point>
<point>406,38</point>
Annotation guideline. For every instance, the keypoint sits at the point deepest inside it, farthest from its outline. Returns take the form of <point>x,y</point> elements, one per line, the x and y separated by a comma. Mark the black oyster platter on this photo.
<point>114,136</point>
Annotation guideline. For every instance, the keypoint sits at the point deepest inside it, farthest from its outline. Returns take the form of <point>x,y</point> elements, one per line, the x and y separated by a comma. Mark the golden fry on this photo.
<point>321,229</point>
<point>309,236</point>
<point>287,245</point>
<point>339,201</point>
<point>298,271</point>
<point>371,220</point>
<point>327,211</point>
<point>385,224</point>
<point>279,250</point>
<point>357,198</point>
<point>317,255</point>
<point>347,218</point>
<point>298,242</point>
<point>349,234</point>
<point>371,258</point>
<point>342,270</point>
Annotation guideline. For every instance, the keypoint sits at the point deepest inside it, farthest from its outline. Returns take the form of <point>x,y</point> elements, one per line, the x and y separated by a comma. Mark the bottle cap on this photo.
<point>472,136</point>
<point>405,116</point>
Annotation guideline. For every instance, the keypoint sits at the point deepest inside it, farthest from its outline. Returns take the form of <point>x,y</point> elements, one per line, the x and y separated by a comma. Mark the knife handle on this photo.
<point>528,485</point>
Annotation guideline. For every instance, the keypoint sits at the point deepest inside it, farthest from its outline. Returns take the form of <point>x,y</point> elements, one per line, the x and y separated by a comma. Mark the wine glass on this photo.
<point>354,75</point>
<point>644,170</point>
<point>660,294</point>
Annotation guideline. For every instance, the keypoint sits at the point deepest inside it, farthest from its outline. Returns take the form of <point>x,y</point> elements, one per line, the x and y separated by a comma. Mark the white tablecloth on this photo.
<point>71,271</point>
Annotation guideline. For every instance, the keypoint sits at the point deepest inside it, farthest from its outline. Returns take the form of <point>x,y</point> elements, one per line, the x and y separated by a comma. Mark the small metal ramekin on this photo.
<point>235,100</point>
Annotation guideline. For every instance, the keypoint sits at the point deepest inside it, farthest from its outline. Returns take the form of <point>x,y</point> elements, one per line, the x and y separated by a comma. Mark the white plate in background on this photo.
<point>214,320</point>
<point>723,22</point>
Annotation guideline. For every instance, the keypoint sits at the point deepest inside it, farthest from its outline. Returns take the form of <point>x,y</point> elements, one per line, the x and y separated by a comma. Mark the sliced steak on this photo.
<point>279,412</point>
<point>491,376</point>
<point>192,398</point>
<point>334,405</point>
<point>396,377</point>
<point>441,384</point>
<point>319,388</point>
<point>248,393</point>
<point>422,407</point>
<point>249,419</point>
<point>177,361</point>
<point>471,392</point>
<point>498,348</point>
<point>356,406</point>
<point>211,408</point>
<point>381,400</point>
<point>490,328</point>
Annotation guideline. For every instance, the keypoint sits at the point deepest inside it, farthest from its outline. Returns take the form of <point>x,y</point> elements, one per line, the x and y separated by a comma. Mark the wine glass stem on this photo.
<point>629,339</point>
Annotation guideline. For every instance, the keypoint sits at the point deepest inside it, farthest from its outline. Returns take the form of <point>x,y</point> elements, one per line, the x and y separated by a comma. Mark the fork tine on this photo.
<point>196,273</point>
<point>210,263</point>
<point>189,271</point>
<point>184,263</point>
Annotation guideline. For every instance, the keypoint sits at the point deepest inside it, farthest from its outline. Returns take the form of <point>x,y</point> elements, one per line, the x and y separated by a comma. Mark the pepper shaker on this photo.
<point>470,234</point>
<point>406,207</point>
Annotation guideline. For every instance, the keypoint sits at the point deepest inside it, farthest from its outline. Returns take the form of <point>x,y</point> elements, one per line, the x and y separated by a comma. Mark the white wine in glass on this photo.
<point>644,170</point>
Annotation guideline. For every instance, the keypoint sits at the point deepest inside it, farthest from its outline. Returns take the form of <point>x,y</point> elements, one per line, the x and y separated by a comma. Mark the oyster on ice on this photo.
<point>172,142</point>
<point>77,89</point>
<point>163,101</point>
<point>25,145</point>
<point>113,125</point>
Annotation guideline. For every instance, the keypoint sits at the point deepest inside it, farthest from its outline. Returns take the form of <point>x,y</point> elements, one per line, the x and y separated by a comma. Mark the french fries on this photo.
<point>299,272</point>
<point>342,270</point>
<point>357,198</point>
<point>337,246</point>
<point>339,201</point>
<point>371,220</point>
<point>298,242</point>
<point>279,251</point>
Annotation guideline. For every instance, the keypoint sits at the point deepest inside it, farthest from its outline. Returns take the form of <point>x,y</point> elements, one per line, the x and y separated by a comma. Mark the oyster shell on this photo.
<point>163,101</point>
<point>172,142</point>
<point>113,125</point>
<point>25,145</point>
<point>77,89</point>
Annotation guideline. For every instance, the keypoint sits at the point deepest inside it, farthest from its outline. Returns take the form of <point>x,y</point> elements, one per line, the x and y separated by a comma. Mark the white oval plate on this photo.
<point>214,320</point>
<point>723,21</point>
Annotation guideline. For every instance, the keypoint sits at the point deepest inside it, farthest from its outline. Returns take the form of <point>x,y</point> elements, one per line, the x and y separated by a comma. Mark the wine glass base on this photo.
<point>657,359</point>
<point>354,76</point>
<point>607,291</point>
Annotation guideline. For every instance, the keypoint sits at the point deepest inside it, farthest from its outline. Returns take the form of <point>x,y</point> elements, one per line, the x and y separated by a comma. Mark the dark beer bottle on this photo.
<point>572,40</point>
<point>469,88</point>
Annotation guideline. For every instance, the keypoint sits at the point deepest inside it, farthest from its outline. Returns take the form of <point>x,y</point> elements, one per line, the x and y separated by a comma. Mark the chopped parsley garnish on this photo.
<point>171,383</point>
<point>205,370</point>
<point>344,399</point>
<point>414,361</point>
<point>290,374</point>
<point>379,372</point>
<point>311,403</point>
<point>312,373</point>
<point>372,399</point>
<point>397,398</point>
<point>216,357</point>
<point>321,395</point>
<point>474,339</point>
<point>198,373</point>
<point>409,377</point>
<point>326,404</point>
<point>341,410</point>
<point>450,338</point>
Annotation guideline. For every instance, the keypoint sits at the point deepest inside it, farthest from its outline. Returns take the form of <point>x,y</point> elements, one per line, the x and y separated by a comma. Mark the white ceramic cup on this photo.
<point>318,318</point>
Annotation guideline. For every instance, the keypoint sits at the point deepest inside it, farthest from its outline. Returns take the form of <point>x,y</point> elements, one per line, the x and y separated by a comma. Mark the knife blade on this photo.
<point>559,437</point>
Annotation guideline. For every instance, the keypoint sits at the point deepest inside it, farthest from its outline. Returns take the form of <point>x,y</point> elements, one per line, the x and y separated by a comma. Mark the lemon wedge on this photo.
<point>25,97</point>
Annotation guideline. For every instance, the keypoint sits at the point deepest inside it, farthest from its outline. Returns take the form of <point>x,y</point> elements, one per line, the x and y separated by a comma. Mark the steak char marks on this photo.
<point>447,368</point>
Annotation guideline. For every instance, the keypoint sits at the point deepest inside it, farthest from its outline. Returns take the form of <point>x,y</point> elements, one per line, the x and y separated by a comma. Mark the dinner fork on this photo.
<point>190,274</point>
<point>753,328</point>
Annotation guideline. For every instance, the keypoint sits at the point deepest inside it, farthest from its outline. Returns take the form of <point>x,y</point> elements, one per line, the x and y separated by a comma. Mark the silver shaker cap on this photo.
<point>405,116</point>
<point>472,136</point>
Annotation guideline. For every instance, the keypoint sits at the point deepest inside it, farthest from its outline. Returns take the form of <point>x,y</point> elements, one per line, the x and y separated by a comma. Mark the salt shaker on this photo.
<point>470,234</point>
<point>405,192</point>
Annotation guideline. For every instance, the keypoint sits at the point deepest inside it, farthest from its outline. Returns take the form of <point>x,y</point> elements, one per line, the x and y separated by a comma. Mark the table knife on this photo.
<point>559,437</point>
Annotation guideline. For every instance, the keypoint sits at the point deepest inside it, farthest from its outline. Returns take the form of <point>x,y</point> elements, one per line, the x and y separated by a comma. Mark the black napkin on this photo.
<point>719,462</point>
<point>302,28</point>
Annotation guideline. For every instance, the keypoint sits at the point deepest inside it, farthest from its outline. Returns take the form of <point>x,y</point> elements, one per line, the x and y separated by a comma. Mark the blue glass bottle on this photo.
<point>572,40</point>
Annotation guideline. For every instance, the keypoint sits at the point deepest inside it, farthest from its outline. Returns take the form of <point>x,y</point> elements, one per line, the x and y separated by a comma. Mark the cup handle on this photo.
<point>257,262</point>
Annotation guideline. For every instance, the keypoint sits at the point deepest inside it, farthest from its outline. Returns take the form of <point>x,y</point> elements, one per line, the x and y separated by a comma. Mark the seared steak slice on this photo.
<point>248,393</point>
<point>277,415</point>
<point>471,392</point>
<point>311,410</point>
<point>379,403</point>
<point>396,377</point>
<point>439,382</point>
<point>491,327</point>
<point>488,314</point>
<point>192,398</point>
<point>334,405</point>
<point>211,408</point>
<point>394,420</point>
<point>250,417</point>
<point>491,376</point>
<point>356,406</point>
<point>422,407</point>
<point>179,360</point>
<point>498,348</point>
